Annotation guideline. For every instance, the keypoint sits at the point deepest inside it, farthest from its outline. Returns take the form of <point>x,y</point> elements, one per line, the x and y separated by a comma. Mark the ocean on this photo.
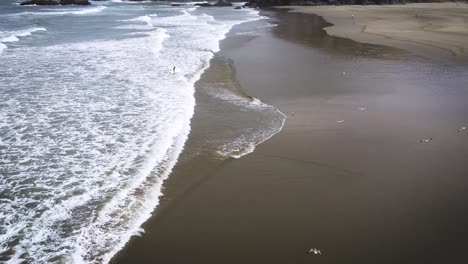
<point>95,109</point>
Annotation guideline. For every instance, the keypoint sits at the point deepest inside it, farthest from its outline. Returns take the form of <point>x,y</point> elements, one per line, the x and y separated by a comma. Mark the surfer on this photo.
<point>173,70</point>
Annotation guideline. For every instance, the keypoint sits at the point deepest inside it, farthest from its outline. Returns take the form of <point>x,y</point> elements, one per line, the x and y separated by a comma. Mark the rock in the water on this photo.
<point>251,4</point>
<point>218,3</point>
<point>223,3</point>
<point>40,2</point>
<point>237,7</point>
<point>203,4</point>
<point>57,2</point>
<point>74,2</point>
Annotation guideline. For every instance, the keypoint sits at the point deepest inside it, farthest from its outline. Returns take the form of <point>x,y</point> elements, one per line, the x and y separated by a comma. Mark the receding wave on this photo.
<point>249,139</point>
<point>246,122</point>
<point>139,23</point>
<point>61,12</point>
<point>14,36</point>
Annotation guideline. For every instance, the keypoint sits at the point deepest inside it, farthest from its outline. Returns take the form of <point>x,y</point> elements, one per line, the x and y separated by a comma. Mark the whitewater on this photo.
<point>93,120</point>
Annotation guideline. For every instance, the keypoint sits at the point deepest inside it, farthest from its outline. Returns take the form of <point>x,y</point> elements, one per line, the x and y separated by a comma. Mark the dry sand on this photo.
<point>436,29</point>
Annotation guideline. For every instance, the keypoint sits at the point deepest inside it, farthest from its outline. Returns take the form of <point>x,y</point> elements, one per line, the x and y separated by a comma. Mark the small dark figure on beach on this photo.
<point>173,70</point>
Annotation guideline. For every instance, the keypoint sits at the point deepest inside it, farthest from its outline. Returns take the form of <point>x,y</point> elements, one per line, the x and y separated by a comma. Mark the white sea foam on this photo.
<point>243,145</point>
<point>246,143</point>
<point>13,36</point>
<point>140,153</point>
<point>268,25</point>
<point>2,47</point>
<point>85,11</point>
<point>260,121</point>
<point>250,32</point>
<point>60,12</point>
<point>10,38</point>
<point>145,19</point>
<point>139,23</point>
<point>84,154</point>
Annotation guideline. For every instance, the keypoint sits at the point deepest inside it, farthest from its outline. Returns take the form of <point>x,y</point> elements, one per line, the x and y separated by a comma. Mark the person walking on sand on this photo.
<point>173,70</point>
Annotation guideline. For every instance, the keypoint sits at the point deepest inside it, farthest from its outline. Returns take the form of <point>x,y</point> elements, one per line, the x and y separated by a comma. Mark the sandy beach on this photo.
<point>438,30</point>
<point>370,166</point>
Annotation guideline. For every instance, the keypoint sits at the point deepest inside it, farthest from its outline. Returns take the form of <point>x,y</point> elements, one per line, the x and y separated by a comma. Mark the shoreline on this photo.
<point>359,186</point>
<point>197,158</point>
<point>433,30</point>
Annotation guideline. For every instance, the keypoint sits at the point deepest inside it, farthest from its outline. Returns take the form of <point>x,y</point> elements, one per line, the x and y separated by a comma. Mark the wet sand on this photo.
<point>348,173</point>
<point>437,30</point>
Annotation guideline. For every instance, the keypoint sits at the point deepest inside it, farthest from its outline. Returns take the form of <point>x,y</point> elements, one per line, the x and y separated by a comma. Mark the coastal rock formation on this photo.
<point>40,2</point>
<point>223,3</point>
<point>74,2</point>
<point>218,3</point>
<point>52,2</point>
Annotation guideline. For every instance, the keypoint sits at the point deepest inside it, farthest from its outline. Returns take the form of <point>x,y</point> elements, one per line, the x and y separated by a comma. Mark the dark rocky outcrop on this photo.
<point>204,4</point>
<point>40,2</point>
<point>57,2</point>
<point>219,3</point>
<point>222,3</point>
<point>74,2</point>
